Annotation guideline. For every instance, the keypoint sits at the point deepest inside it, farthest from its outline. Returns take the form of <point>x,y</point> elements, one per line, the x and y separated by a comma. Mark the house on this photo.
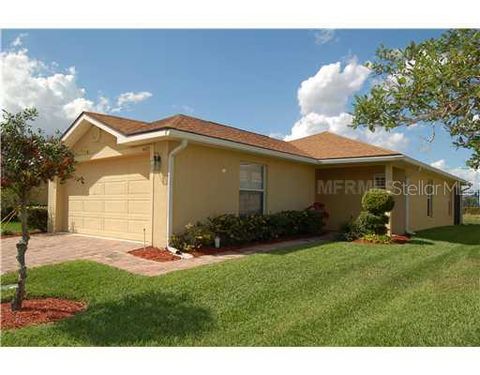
<point>145,181</point>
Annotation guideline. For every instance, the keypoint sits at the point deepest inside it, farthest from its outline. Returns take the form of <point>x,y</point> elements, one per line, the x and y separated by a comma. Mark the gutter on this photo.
<point>171,163</point>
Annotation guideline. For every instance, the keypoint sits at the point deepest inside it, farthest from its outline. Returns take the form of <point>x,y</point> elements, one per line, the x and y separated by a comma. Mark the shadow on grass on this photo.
<point>139,319</point>
<point>467,234</point>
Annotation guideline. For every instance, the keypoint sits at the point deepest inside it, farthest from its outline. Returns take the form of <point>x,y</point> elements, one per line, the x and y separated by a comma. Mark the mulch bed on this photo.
<point>155,254</point>
<point>38,311</point>
<point>396,240</point>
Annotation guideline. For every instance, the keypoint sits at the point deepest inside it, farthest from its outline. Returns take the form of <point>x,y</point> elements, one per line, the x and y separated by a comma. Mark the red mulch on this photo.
<point>155,254</point>
<point>38,311</point>
<point>400,239</point>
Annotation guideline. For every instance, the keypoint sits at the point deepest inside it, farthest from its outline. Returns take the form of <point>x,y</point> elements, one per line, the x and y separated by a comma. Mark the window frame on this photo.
<point>264,185</point>
<point>379,175</point>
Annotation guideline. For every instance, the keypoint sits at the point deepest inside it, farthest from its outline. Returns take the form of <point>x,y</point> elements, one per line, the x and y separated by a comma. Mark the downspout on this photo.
<point>171,163</point>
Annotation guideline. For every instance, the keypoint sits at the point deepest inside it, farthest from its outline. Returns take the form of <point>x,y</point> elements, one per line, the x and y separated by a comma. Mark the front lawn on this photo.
<point>424,293</point>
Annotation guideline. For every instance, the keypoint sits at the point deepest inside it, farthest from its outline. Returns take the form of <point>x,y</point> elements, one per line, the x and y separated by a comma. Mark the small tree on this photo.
<point>28,159</point>
<point>434,82</point>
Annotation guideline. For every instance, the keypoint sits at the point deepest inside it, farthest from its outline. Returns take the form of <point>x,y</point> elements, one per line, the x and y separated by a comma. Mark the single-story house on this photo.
<point>144,181</point>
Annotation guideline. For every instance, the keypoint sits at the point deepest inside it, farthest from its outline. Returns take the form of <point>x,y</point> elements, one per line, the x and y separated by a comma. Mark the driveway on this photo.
<point>56,248</point>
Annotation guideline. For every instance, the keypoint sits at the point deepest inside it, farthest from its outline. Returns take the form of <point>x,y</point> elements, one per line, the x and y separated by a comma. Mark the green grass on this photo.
<point>335,294</point>
<point>11,227</point>
<point>471,219</point>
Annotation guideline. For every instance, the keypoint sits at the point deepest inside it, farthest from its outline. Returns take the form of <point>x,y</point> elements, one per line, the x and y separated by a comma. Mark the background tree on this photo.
<point>436,81</point>
<point>28,159</point>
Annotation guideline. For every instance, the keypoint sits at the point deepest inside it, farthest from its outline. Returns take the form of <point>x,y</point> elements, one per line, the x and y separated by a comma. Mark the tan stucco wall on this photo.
<point>207,183</point>
<point>418,218</point>
<point>342,206</point>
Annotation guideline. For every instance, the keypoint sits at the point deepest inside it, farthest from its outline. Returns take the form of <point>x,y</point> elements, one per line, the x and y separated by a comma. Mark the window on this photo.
<point>252,189</point>
<point>429,190</point>
<point>379,181</point>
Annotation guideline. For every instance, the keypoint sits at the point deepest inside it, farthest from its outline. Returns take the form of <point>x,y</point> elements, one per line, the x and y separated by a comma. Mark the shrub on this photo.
<point>369,223</point>
<point>236,230</point>
<point>38,218</point>
<point>194,237</point>
<point>378,201</point>
<point>350,231</point>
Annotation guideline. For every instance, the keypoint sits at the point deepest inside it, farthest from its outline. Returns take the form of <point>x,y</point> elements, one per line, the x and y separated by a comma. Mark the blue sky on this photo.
<point>246,78</point>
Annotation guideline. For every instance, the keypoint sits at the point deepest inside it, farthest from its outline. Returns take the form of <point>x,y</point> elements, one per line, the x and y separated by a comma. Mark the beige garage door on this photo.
<point>114,201</point>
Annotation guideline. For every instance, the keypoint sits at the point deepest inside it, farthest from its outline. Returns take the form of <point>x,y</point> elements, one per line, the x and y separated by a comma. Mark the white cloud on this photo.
<point>323,100</point>
<point>324,36</point>
<point>132,97</point>
<point>56,93</point>
<point>327,92</point>
<point>18,41</point>
<point>466,173</point>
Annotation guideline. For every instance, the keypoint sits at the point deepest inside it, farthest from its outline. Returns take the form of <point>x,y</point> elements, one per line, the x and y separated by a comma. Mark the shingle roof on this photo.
<point>324,145</point>
<point>198,126</point>
<point>328,145</point>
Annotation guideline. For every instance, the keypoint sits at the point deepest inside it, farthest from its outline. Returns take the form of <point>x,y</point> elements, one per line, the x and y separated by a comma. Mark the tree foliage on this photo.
<point>436,82</point>
<point>28,159</point>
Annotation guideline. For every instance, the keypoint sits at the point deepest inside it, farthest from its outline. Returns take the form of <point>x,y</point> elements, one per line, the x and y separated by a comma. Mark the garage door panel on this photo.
<point>116,204</point>
<point>139,187</point>
<point>115,187</point>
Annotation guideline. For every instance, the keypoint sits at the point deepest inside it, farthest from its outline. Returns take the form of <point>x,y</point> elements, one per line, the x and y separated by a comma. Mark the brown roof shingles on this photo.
<point>328,145</point>
<point>319,146</point>
<point>200,127</point>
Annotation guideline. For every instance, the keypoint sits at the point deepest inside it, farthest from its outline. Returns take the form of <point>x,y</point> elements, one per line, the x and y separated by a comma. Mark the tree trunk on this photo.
<point>21,250</point>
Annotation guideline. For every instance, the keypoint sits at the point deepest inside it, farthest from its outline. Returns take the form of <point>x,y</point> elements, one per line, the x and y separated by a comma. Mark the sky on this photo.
<point>282,83</point>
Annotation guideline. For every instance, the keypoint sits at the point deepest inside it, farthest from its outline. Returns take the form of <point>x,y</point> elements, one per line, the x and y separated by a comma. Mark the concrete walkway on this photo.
<point>57,248</point>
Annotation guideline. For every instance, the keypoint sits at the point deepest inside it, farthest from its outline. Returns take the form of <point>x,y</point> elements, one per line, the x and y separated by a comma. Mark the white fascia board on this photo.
<point>120,137</point>
<point>433,169</point>
<point>366,159</point>
<point>178,134</point>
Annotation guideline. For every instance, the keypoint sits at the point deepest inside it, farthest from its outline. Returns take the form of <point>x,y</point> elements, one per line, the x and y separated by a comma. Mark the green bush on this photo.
<point>378,201</point>
<point>38,218</point>
<point>368,223</point>
<point>194,237</point>
<point>350,231</point>
<point>372,220</point>
<point>237,230</point>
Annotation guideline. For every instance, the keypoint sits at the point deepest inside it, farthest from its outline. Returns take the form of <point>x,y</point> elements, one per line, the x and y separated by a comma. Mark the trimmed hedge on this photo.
<point>238,230</point>
<point>378,201</point>
<point>373,219</point>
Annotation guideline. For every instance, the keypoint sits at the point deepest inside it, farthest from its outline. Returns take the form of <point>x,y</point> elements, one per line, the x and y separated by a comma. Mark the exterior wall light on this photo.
<point>156,162</point>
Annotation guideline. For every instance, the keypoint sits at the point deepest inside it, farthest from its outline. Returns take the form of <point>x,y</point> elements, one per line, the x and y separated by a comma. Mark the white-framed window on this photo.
<point>252,189</point>
<point>429,190</point>
<point>379,181</point>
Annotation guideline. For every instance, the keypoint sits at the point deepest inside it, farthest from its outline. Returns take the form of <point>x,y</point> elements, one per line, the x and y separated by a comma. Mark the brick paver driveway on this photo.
<point>56,248</point>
